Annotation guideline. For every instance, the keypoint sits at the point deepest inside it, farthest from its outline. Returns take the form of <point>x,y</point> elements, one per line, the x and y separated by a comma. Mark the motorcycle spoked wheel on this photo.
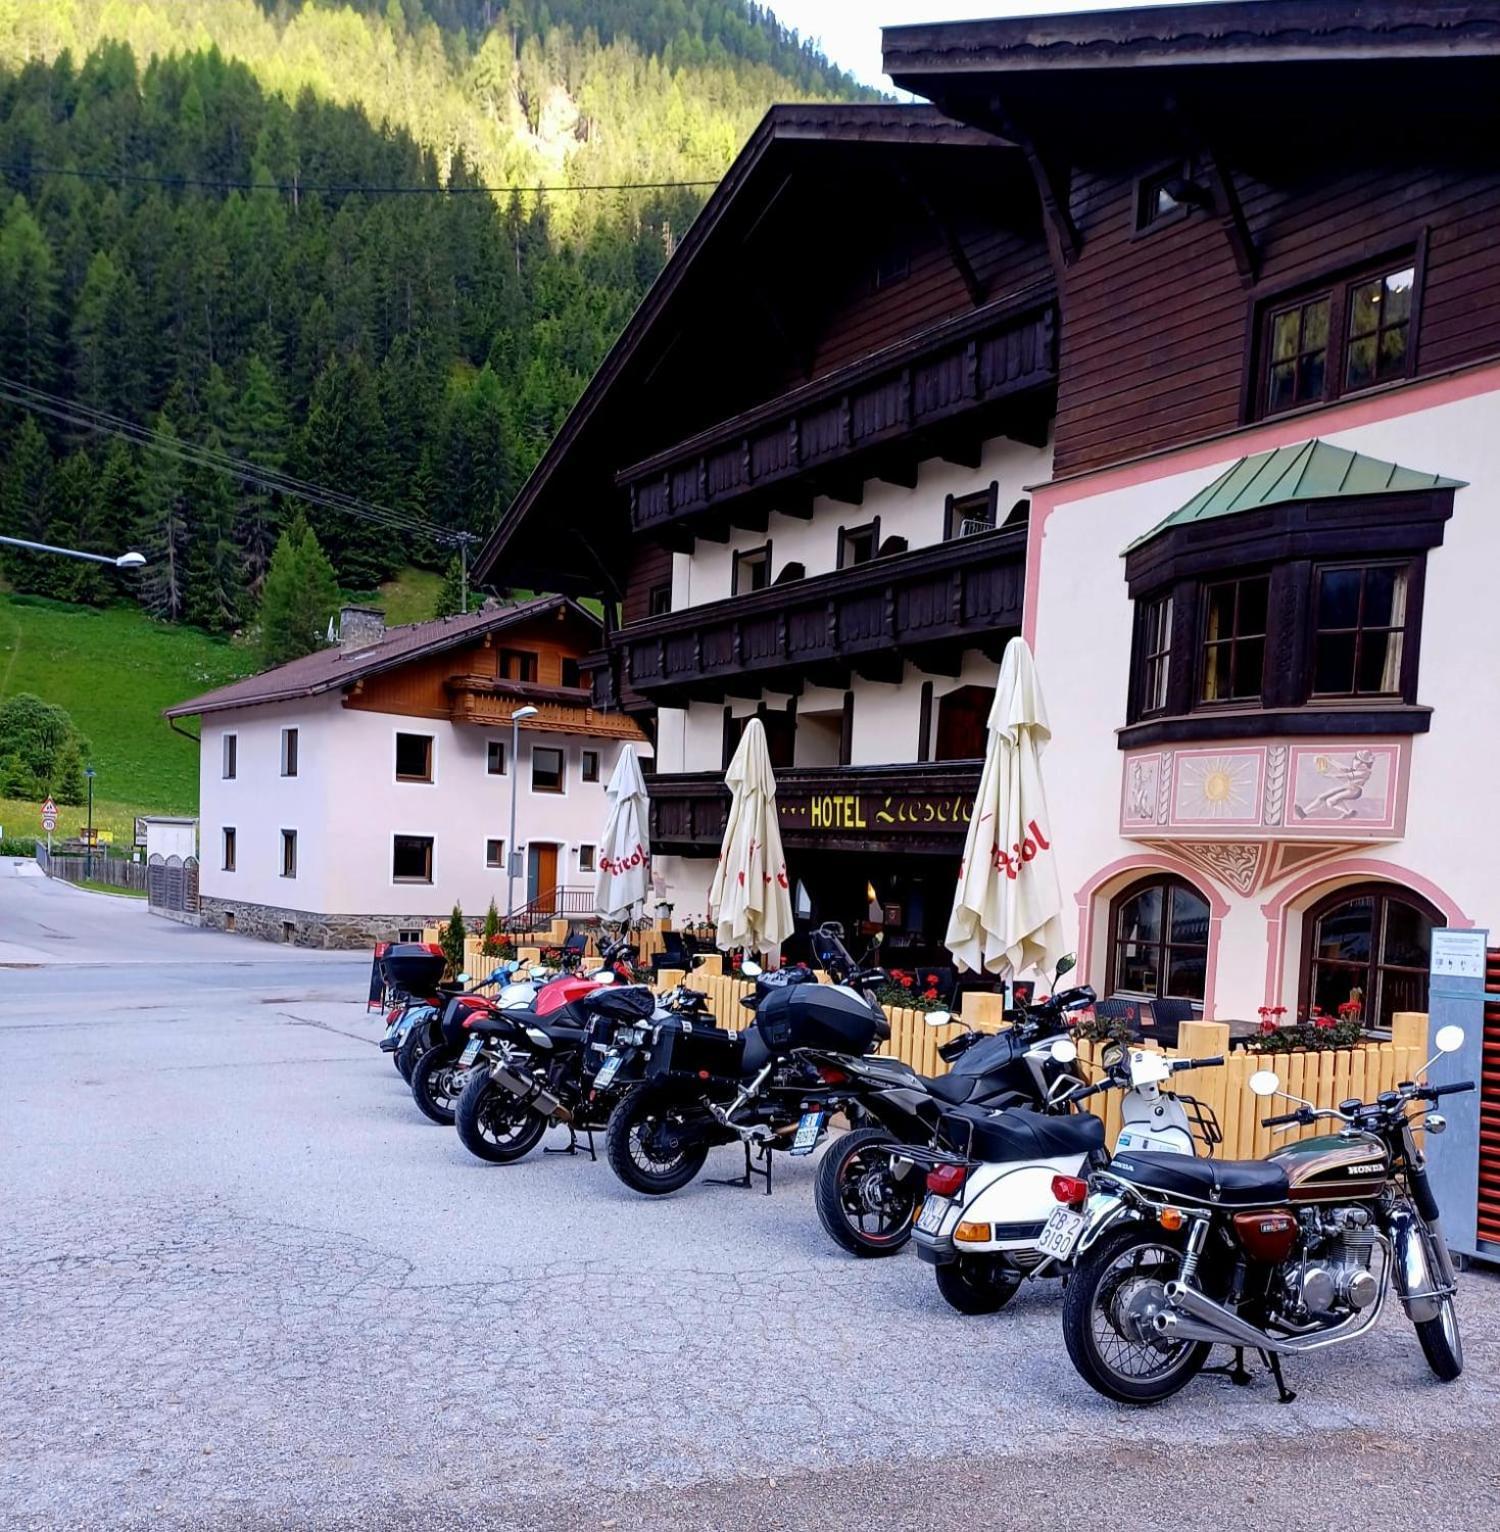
<point>493,1125</point>
<point>650,1144</point>
<point>436,1084</point>
<point>1109,1293</point>
<point>862,1206</point>
<point>1441,1343</point>
<point>977,1284</point>
<point>415,1045</point>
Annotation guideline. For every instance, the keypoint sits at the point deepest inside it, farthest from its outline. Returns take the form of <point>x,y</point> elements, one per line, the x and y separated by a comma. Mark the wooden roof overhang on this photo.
<point>937,394</point>
<point>569,526</point>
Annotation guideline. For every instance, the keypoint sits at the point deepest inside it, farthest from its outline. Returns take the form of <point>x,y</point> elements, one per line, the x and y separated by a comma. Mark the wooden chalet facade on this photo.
<point>1169,338</point>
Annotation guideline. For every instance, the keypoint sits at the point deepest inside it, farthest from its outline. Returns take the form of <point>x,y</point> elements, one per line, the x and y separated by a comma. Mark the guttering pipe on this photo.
<point>172,723</point>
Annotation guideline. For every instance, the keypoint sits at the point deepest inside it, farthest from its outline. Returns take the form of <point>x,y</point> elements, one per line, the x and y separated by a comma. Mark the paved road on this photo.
<point>244,1284</point>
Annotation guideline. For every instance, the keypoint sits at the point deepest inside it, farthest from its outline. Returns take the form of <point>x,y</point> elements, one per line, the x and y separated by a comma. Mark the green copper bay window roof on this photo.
<point>1311,470</point>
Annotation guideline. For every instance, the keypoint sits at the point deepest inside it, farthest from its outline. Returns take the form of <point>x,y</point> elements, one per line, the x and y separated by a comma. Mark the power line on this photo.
<point>70,412</point>
<point>297,188</point>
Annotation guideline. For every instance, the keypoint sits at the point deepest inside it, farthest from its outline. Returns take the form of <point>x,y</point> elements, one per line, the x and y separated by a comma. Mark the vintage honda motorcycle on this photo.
<point>1282,1256</point>
<point>990,1177</point>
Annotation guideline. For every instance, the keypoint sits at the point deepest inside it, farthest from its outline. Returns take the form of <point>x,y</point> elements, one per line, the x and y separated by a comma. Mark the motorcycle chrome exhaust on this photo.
<point>532,1094</point>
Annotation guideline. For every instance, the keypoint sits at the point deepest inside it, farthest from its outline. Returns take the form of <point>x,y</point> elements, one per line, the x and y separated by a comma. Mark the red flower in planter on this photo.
<point>929,994</point>
<point>932,980</point>
<point>906,981</point>
<point>1268,1023</point>
<point>1324,1023</point>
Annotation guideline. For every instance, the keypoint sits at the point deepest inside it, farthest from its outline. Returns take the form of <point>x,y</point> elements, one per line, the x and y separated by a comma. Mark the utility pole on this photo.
<point>88,771</point>
<point>512,856</point>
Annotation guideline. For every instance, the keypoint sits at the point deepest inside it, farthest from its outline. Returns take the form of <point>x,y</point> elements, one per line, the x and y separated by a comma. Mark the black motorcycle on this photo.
<point>1290,1254</point>
<point>763,1087</point>
<point>866,1192</point>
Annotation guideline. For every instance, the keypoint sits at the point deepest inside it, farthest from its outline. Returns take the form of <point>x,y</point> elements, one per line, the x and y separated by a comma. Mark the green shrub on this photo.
<point>17,845</point>
<point>452,942</point>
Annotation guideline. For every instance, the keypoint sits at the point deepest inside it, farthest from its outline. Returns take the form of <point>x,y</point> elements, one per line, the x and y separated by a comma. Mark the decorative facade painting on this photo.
<point>1218,787</point>
<point>1354,786</point>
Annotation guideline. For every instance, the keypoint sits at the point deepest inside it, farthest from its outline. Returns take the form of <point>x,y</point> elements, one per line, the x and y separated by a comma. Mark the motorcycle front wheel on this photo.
<point>651,1144</point>
<point>412,1049</point>
<point>1440,1342</point>
<point>977,1284</point>
<point>493,1125</point>
<point>436,1083</point>
<point>861,1203</point>
<point>1107,1305</point>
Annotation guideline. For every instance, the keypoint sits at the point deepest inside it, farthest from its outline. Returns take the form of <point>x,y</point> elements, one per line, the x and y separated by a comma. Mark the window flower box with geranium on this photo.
<point>915,989</point>
<point>1317,1032</point>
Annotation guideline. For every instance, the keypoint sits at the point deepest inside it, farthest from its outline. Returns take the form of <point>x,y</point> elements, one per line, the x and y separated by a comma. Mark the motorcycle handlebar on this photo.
<point>1283,1119</point>
<point>1449,1090</point>
<point>1209,1063</point>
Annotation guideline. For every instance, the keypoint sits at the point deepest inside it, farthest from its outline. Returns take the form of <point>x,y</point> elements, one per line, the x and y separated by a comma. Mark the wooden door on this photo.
<point>541,872</point>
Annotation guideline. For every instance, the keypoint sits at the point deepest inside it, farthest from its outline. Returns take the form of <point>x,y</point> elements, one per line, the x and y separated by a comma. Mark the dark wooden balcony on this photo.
<point>927,606</point>
<point>940,394</point>
<point>921,806</point>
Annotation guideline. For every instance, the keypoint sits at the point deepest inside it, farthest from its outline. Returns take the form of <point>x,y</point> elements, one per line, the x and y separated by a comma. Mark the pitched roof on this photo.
<point>329,669</point>
<point>1310,470</point>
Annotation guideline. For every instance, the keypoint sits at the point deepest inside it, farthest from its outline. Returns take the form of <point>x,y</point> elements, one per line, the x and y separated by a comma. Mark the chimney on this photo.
<point>359,627</point>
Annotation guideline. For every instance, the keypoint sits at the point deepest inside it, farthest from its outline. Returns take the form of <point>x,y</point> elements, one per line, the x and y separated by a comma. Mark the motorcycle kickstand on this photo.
<point>744,1181</point>
<point>1284,1395</point>
<point>1236,1372</point>
<point>572,1145</point>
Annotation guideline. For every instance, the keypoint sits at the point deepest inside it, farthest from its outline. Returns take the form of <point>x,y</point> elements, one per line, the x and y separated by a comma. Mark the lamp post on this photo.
<point>511,854</point>
<point>124,561</point>
<point>88,772</point>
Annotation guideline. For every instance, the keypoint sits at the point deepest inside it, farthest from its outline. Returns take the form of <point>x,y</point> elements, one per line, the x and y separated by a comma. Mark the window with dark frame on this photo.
<point>494,759</point>
<point>414,757</point>
<point>1156,653</point>
<point>1159,940</point>
<point>858,545</point>
<point>231,757</point>
<point>516,665</point>
<point>589,766</point>
<point>494,853</point>
<point>969,515</point>
<point>571,674</point>
<point>288,853</point>
<point>1154,199</point>
<point>586,856</point>
<point>229,848</point>
<point>411,859</point>
<point>752,570</point>
<point>1347,336</point>
<point>1369,947</point>
<point>659,600</point>
<point>1234,639</point>
<point>1360,633</point>
<point>289,752</point>
<point>546,769</point>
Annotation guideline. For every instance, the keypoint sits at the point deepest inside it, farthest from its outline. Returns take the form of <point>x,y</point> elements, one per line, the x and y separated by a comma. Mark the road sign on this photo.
<point>49,816</point>
<point>140,830</point>
<point>49,807</point>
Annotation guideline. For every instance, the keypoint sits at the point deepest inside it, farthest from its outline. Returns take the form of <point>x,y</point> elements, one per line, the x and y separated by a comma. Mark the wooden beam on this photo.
<point>883,665</point>
<point>1232,220</point>
<point>963,454</point>
<point>752,518</point>
<point>944,225</point>
<point>846,490</point>
<point>901,472</point>
<point>798,503</point>
<point>714,531</point>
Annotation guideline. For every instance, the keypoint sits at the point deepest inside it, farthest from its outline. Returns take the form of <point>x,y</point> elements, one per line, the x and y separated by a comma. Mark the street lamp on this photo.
<point>88,771</point>
<point>511,854</point>
<point>124,561</point>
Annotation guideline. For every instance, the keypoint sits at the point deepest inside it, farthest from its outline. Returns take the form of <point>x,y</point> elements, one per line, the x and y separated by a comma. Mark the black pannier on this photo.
<point>820,1016</point>
<point>694,1048</point>
<point>412,968</point>
<point>626,1004</point>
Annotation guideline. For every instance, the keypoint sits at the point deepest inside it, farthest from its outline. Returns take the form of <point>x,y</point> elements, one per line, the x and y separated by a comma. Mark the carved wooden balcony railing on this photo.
<point>927,606</point>
<point>921,806</point>
<point>560,709</point>
<point>941,392</point>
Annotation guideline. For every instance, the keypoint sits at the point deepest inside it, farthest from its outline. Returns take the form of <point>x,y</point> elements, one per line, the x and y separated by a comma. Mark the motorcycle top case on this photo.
<point>412,967</point>
<point>820,1016</point>
<point>695,1049</point>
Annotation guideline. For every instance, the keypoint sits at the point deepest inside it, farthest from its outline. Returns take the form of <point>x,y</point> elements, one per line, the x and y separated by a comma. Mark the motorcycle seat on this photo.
<point>954,1089</point>
<point>1229,1183</point>
<point>1018,1134</point>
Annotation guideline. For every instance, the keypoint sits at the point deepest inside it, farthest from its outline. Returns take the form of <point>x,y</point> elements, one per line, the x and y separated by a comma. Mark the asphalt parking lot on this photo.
<point>243,1283</point>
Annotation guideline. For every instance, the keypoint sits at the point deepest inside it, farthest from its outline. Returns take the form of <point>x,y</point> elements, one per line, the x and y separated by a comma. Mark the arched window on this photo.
<point>1368,944</point>
<point>1158,932</point>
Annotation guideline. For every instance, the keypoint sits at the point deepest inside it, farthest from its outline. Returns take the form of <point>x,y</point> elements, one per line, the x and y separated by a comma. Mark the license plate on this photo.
<point>934,1210</point>
<point>608,1070</point>
<point>1061,1233</point>
<point>807,1132</point>
<point>471,1052</point>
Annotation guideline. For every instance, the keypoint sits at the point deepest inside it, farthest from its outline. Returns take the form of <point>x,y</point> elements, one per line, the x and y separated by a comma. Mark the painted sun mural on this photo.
<point>1213,786</point>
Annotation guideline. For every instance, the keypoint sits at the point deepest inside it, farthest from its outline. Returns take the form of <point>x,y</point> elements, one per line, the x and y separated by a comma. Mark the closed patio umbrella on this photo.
<point>1007,914</point>
<point>749,897</point>
<point>624,874</point>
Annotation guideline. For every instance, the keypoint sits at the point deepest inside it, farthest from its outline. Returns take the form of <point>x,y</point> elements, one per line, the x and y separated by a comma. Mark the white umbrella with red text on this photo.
<point>624,875</point>
<point>1007,914</point>
<point>750,899</point>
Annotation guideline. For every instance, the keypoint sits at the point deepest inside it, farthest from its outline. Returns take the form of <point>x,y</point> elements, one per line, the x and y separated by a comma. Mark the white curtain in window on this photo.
<point>1390,675</point>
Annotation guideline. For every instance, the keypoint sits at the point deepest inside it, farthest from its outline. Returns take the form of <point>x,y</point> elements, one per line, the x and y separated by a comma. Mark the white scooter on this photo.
<point>990,1188</point>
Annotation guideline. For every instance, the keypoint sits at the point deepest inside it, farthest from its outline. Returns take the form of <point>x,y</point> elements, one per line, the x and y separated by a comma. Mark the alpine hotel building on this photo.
<point>1168,338</point>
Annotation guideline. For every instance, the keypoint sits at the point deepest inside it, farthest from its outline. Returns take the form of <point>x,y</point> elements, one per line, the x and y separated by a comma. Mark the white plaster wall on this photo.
<point>347,806</point>
<point>1083,651</point>
<point>916,514</point>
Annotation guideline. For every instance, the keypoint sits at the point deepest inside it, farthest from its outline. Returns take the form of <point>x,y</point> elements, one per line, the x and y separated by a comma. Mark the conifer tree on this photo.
<point>299,597</point>
<point>450,602</point>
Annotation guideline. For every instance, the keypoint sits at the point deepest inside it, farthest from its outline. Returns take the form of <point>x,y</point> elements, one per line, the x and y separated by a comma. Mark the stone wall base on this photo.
<point>182,917</point>
<point>305,928</point>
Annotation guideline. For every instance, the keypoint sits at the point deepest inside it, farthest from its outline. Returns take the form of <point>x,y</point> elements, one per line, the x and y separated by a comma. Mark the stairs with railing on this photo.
<point>557,903</point>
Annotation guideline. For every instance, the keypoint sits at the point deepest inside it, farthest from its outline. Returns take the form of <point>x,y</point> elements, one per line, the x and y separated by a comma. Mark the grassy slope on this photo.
<point>114,671</point>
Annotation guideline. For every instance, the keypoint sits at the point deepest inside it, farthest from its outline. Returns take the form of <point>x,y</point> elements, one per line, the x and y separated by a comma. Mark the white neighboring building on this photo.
<point>360,792</point>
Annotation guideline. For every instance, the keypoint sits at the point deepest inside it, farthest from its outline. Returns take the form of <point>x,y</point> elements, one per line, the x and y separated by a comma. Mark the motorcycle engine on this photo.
<point>1333,1276</point>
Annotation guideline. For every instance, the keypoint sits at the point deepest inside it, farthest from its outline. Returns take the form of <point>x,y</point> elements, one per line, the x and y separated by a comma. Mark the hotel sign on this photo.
<point>836,814</point>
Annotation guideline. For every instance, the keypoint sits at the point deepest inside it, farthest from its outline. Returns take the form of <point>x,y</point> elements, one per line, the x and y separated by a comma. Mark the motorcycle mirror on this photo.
<point>1064,1051</point>
<point>1449,1039</point>
<point>751,968</point>
<point>938,1018</point>
<point>608,976</point>
<point>1265,1082</point>
<point>1065,964</point>
<point>463,978</point>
